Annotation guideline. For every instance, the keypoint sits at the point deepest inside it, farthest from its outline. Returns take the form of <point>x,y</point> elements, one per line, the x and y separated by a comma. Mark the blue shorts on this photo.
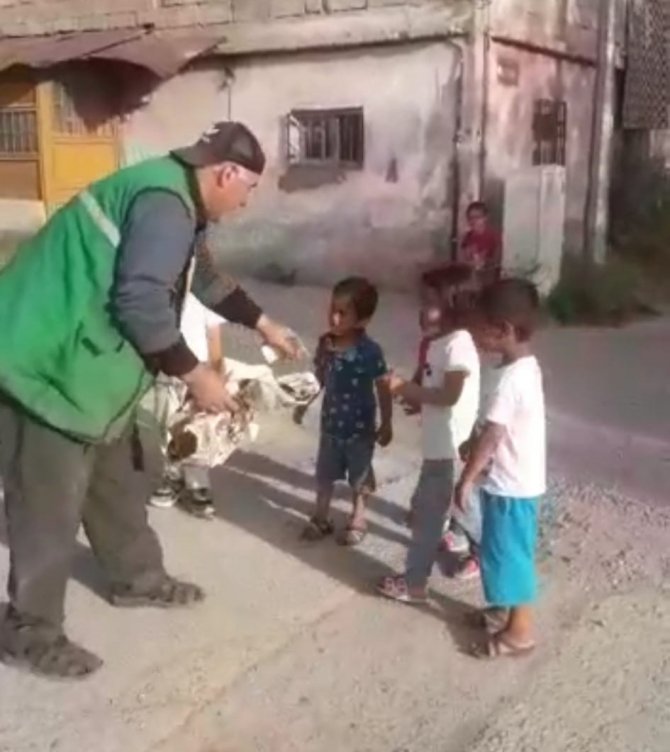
<point>346,459</point>
<point>507,554</point>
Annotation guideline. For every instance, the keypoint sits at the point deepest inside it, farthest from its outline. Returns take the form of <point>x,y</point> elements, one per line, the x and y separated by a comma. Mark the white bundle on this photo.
<point>204,440</point>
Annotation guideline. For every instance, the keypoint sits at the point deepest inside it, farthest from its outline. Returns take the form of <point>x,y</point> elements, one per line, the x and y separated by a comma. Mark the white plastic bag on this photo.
<point>204,440</point>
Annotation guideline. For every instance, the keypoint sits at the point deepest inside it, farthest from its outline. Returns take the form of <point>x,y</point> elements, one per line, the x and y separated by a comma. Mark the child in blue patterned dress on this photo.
<point>352,371</point>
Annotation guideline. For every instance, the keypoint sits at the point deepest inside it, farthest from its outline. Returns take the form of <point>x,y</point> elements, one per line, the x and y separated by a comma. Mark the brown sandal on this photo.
<point>43,652</point>
<point>493,620</point>
<point>169,593</point>
<point>316,530</point>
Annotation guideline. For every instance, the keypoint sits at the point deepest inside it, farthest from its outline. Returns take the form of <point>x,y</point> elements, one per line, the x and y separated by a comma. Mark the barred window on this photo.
<point>18,121</point>
<point>75,90</point>
<point>327,137</point>
<point>549,132</point>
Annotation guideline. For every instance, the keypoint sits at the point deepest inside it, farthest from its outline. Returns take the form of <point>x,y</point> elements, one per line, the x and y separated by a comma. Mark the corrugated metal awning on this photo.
<point>164,53</point>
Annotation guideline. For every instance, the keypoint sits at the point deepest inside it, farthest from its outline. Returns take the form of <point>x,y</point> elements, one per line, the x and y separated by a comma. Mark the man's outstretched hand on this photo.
<point>208,391</point>
<point>280,338</point>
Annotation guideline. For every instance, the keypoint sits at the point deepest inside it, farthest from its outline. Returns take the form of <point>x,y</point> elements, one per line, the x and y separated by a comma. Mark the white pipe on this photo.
<point>597,209</point>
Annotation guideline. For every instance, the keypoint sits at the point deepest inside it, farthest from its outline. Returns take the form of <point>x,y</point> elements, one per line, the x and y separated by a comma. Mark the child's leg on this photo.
<point>319,525</point>
<point>329,469</point>
<point>196,497</point>
<point>324,498</point>
<point>430,502</point>
<point>358,455</point>
<point>509,535</point>
<point>358,515</point>
<point>467,529</point>
<point>454,538</point>
<point>519,628</point>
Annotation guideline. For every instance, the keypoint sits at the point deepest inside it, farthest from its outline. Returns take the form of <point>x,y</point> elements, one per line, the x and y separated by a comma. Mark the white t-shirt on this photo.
<point>518,467</point>
<point>444,429</point>
<point>195,320</point>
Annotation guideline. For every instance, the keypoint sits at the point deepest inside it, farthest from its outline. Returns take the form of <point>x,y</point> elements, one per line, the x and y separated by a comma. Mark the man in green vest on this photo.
<point>89,312</point>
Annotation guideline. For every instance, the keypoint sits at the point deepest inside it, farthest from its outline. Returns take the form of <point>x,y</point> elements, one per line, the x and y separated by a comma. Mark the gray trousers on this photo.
<point>430,505</point>
<point>52,484</point>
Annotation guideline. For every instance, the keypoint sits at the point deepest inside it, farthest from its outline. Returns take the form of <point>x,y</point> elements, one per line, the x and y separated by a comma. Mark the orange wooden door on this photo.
<point>79,139</point>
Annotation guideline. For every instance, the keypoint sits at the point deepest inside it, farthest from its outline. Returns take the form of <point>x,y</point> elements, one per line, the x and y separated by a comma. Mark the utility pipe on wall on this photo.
<point>455,177</point>
<point>597,204</point>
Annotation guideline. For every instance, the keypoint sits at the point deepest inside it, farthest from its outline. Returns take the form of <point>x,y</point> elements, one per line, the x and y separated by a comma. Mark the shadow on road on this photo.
<point>85,568</point>
<point>253,502</point>
<point>253,497</point>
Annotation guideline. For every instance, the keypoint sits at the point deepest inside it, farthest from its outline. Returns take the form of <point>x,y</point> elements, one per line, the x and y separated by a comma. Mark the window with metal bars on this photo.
<point>550,119</point>
<point>18,127</point>
<point>74,92</point>
<point>326,137</point>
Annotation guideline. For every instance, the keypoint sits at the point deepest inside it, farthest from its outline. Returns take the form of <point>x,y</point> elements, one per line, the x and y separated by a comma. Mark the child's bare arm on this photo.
<point>465,448</point>
<point>323,350</point>
<point>385,399</point>
<point>215,346</point>
<point>446,395</point>
<point>481,452</point>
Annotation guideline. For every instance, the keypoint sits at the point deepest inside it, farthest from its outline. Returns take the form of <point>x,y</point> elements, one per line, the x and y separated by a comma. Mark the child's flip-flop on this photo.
<point>396,589</point>
<point>493,620</point>
<point>352,536</point>
<point>316,530</point>
<point>499,646</point>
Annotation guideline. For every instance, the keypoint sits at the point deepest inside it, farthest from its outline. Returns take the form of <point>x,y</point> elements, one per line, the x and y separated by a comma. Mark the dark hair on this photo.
<point>512,301</point>
<point>362,293</point>
<point>446,275</point>
<point>477,206</point>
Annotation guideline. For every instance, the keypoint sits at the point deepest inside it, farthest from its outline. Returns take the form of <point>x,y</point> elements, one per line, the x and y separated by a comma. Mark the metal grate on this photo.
<point>327,137</point>
<point>18,131</point>
<point>72,88</point>
<point>549,132</point>
<point>647,83</point>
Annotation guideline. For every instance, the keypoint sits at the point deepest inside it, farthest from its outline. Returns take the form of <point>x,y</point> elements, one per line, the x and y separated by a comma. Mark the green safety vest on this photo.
<point>63,358</point>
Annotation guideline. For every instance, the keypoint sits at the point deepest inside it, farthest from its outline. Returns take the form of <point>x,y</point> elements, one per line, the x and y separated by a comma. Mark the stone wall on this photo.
<point>568,26</point>
<point>31,17</point>
<point>381,220</point>
<point>509,138</point>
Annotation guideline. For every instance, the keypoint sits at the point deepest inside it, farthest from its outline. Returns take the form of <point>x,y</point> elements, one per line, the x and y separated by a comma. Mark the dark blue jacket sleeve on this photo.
<point>220,292</point>
<point>156,247</point>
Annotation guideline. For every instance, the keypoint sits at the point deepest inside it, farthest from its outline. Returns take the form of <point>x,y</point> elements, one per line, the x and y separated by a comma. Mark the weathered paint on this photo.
<point>509,138</point>
<point>568,26</point>
<point>380,221</point>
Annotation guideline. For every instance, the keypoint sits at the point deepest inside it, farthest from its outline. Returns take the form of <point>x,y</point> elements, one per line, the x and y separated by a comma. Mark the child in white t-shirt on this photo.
<point>188,483</point>
<point>448,398</point>
<point>507,458</point>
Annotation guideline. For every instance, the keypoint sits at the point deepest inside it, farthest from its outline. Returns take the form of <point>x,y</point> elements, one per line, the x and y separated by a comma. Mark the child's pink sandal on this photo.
<point>397,589</point>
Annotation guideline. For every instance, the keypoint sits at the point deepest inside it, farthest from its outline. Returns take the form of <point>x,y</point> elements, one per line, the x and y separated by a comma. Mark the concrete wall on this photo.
<point>28,17</point>
<point>379,221</point>
<point>510,136</point>
<point>566,25</point>
<point>20,218</point>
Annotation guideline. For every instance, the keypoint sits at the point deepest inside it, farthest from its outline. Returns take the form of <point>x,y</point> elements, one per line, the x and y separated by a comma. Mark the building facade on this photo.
<point>381,119</point>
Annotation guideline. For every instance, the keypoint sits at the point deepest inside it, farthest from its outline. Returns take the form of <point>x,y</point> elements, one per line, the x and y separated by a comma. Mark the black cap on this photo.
<point>224,142</point>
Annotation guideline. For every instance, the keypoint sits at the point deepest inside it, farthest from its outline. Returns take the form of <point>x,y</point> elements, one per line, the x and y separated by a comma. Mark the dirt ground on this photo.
<point>293,652</point>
